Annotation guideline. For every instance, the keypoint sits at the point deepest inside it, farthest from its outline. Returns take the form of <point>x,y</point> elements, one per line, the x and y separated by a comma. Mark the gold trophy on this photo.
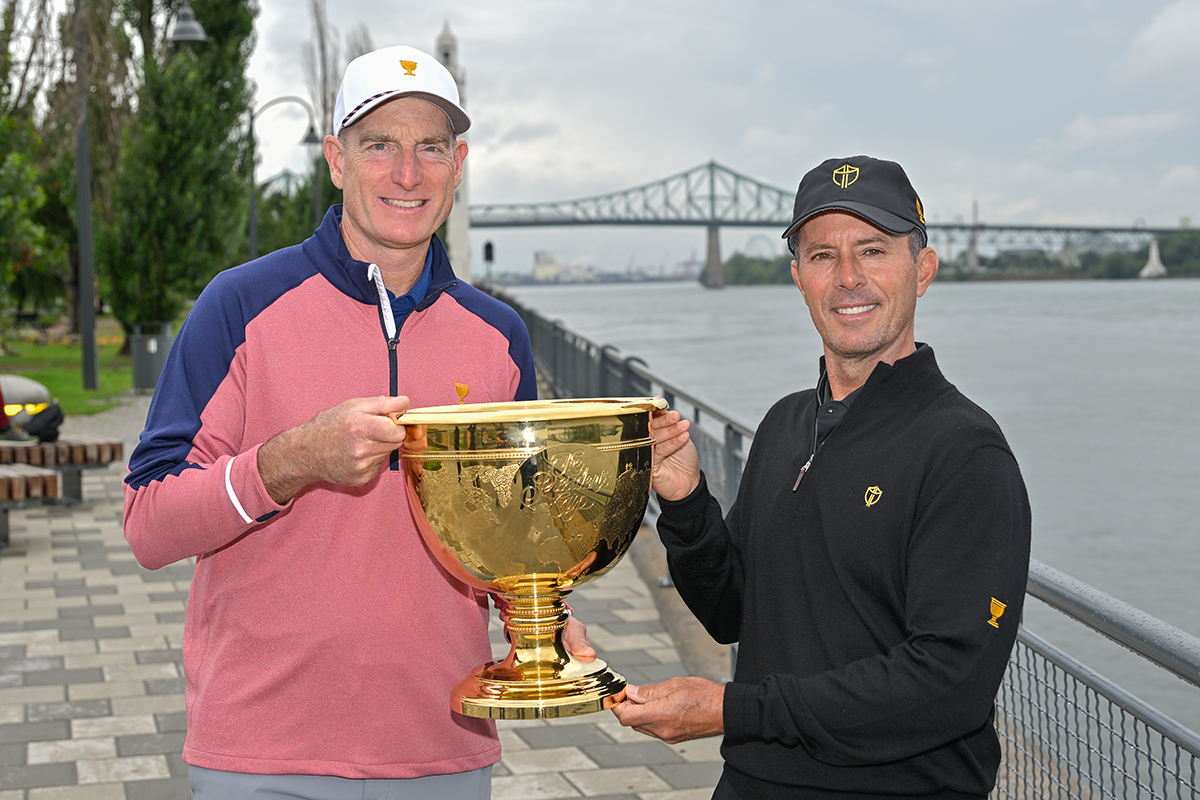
<point>527,501</point>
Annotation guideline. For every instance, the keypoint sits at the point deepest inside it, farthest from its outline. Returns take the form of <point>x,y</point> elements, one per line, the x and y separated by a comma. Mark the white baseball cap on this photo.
<point>393,72</point>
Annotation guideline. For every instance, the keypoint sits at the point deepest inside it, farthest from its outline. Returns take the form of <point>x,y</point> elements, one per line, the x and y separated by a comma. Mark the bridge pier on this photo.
<point>714,271</point>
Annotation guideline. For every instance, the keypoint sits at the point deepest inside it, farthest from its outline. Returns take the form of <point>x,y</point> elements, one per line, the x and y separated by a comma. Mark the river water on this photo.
<point>1095,383</point>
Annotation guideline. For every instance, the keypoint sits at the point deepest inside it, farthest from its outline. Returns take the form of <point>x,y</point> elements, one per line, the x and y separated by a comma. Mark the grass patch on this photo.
<point>59,366</point>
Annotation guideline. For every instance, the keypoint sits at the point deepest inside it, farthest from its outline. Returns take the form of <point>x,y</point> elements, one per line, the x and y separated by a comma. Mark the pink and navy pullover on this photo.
<point>321,636</point>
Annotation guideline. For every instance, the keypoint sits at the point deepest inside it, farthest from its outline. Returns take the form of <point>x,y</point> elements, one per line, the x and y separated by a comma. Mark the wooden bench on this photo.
<point>22,485</point>
<point>51,472</point>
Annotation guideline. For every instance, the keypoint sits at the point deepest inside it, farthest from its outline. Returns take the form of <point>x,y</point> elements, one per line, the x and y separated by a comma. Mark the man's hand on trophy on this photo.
<point>676,471</point>
<point>346,445</point>
<point>577,642</point>
<point>676,710</point>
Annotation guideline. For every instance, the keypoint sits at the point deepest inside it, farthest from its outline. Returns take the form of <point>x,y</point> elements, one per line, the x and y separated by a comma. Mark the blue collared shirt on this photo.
<point>403,305</point>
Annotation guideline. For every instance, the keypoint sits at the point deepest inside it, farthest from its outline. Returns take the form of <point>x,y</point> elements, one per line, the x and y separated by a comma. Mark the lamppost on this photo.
<point>186,29</point>
<point>310,138</point>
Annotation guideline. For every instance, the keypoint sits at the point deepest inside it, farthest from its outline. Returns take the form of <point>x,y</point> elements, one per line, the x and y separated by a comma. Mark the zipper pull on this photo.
<point>803,470</point>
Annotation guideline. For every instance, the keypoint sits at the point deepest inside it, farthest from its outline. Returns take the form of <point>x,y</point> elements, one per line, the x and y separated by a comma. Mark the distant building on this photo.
<point>458,227</point>
<point>546,267</point>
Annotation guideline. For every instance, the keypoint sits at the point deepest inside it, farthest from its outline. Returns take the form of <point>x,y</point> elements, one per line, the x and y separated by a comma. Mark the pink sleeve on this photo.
<point>197,511</point>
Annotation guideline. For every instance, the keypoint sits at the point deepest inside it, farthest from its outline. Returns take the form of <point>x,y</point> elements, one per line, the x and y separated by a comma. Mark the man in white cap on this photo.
<point>322,639</point>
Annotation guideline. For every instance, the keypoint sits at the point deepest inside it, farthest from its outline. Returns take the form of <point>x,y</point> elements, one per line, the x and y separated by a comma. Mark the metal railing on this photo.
<point>1065,730</point>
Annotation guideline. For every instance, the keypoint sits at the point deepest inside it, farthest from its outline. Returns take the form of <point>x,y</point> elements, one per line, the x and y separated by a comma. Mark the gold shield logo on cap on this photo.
<point>409,67</point>
<point>845,175</point>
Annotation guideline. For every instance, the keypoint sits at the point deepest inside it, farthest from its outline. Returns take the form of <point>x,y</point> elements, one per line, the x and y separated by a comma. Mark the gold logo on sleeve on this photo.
<point>410,67</point>
<point>845,175</point>
<point>997,612</point>
<point>872,496</point>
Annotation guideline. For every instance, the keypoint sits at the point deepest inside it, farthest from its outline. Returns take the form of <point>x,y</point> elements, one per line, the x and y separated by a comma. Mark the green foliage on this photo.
<point>1022,261</point>
<point>50,281</point>
<point>285,208</point>
<point>182,181</point>
<point>1180,252</point>
<point>1117,265</point>
<point>20,198</point>
<point>743,270</point>
<point>27,249</point>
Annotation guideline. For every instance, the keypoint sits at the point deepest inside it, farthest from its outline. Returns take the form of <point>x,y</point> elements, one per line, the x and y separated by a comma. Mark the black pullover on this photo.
<point>866,600</point>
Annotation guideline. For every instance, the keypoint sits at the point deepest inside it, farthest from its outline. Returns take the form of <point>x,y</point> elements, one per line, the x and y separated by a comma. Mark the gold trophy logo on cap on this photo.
<point>527,501</point>
<point>410,67</point>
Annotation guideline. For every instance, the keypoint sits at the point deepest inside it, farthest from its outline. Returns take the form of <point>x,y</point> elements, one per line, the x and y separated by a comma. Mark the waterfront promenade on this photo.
<point>91,688</point>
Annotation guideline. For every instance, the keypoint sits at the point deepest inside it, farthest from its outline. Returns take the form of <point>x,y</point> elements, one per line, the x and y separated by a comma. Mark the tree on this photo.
<point>284,211</point>
<point>323,70</point>
<point>39,74</point>
<point>1180,252</point>
<point>26,54</point>
<point>29,252</point>
<point>744,270</point>
<point>20,197</point>
<point>179,197</point>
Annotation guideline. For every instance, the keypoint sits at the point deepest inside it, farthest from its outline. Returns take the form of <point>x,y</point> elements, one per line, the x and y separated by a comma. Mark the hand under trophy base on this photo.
<point>527,501</point>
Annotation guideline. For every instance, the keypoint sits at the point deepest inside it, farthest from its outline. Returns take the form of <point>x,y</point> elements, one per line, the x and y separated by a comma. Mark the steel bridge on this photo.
<point>713,196</point>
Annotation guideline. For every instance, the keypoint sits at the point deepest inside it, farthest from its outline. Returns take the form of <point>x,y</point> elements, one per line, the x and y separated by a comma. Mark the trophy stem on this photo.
<point>539,678</point>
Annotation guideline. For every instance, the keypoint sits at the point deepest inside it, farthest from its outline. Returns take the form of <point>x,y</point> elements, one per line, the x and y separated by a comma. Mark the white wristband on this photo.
<point>233,498</point>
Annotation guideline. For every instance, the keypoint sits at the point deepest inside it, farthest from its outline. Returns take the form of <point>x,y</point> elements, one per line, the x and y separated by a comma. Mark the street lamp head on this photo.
<point>186,28</point>
<point>311,137</point>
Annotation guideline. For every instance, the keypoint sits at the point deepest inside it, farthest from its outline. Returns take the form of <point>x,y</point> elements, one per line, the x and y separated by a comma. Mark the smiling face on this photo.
<point>861,286</point>
<point>397,168</point>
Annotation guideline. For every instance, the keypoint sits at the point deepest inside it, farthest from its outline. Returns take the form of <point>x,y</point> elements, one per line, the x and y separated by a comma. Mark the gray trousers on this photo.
<point>211,784</point>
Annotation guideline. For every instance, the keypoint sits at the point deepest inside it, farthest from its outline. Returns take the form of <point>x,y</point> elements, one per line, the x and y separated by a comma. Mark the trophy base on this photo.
<point>482,695</point>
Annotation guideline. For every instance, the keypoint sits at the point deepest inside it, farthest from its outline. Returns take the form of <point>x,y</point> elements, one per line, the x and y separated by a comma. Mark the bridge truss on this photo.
<point>706,195</point>
<point>713,196</point>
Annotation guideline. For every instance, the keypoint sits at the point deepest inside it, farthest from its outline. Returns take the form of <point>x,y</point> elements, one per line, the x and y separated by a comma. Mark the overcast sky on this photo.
<point>1044,111</point>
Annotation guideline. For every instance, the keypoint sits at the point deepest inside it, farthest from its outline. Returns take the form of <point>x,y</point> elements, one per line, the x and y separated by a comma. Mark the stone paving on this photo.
<point>91,686</point>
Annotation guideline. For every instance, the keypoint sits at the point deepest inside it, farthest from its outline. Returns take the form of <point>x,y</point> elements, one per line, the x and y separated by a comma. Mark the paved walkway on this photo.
<point>91,688</point>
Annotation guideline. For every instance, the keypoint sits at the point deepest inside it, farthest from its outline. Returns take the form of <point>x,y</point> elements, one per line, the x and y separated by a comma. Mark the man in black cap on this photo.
<point>873,565</point>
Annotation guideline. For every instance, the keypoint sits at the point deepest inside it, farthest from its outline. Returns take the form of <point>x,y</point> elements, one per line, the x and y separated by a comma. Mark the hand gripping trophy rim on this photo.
<point>527,500</point>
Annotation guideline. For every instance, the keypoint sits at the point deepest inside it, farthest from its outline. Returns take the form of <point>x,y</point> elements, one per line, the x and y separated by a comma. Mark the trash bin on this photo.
<point>149,351</point>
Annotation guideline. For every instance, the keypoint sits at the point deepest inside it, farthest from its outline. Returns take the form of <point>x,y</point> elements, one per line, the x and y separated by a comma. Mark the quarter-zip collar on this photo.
<point>328,253</point>
<point>908,381</point>
<point>394,310</point>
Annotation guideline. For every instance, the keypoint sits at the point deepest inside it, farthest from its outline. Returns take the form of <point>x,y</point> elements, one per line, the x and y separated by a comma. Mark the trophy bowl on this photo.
<point>527,500</point>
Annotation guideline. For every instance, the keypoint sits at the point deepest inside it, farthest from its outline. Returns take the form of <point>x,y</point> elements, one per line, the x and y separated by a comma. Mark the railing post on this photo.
<point>733,473</point>
<point>608,371</point>
<point>632,385</point>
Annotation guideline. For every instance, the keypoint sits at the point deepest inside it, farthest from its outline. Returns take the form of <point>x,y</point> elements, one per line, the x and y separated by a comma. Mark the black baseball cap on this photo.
<point>875,190</point>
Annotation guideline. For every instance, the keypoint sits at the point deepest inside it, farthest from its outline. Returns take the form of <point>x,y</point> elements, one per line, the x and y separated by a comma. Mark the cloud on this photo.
<point>1165,48</point>
<point>1180,178</point>
<point>1061,113</point>
<point>1111,132</point>
<point>527,132</point>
